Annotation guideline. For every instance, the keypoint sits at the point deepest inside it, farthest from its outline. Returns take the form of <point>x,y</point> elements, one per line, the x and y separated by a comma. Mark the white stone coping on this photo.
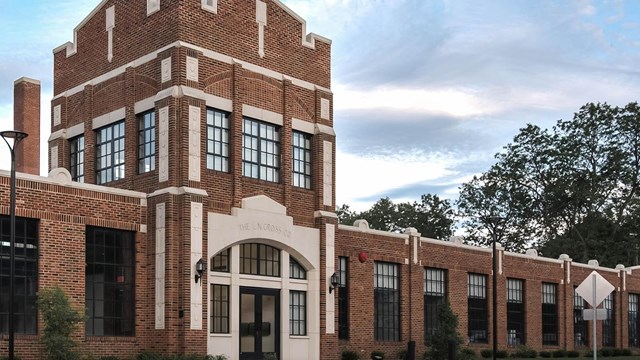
<point>27,80</point>
<point>372,231</point>
<point>179,191</point>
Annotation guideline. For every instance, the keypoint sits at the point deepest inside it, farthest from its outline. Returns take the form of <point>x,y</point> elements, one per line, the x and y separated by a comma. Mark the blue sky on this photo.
<point>426,92</point>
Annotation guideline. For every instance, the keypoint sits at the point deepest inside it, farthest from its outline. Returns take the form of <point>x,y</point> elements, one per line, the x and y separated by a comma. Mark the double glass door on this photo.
<point>259,323</point>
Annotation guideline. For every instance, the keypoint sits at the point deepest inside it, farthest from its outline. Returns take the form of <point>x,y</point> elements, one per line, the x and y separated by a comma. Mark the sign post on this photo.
<point>594,289</point>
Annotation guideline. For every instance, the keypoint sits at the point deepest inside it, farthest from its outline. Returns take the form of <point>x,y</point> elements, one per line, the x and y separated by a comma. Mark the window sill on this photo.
<point>20,337</point>
<point>94,338</point>
<point>219,335</point>
<point>301,337</point>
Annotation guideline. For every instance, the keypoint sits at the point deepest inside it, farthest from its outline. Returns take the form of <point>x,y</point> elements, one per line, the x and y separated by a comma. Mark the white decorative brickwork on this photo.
<point>261,19</point>
<point>160,264</point>
<point>57,115</point>
<point>110,24</point>
<point>327,176</point>
<point>325,109</point>
<point>196,254</point>
<point>192,68</point>
<point>166,70</point>
<point>163,145</point>
<point>54,158</point>
<point>194,143</point>
<point>152,6</point>
<point>330,253</point>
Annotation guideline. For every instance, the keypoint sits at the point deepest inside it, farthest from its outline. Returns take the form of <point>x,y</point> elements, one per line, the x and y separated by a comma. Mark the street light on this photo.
<point>17,136</point>
<point>494,221</point>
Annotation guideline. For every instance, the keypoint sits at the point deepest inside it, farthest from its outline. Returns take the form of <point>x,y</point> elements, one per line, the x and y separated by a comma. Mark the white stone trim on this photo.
<point>303,126</point>
<point>194,143</point>
<point>54,158</point>
<point>325,109</point>
<point>196,254</point>
<point>109,118</point>
<point>27,80</point>
<point>110,22</point>
<point>178,191</point>
<point>324,129</point>
<point>210,5</point>
<point>207,53</point>
<point>327,173</point>
<point>163,144</point>
<point>261,114</point>
<point>57,115</point>
<point>153,6</point>
<point>322,213</point>
<point>261,19</point>
<point>165,70</point>
<point>75,130</point>
<point>144,105</point>
<point>192,68</point>
<point>330,255</point>
<point>57,135</point>
<point>160,265</point>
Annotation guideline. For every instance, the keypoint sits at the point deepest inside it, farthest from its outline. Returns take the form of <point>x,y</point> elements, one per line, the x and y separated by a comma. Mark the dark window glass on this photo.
<point>76,158</point>
<point>25,275</point>
<point>477,308</point>
<point>220,309</point>
<point>222,261</point>
<point>110,282</point>
<point>297,313</point>
<point>301,175</point>
<point>259,259</point>
<point>549,314</point>
<point>343,298</point>
<point>609,325</point>
<point>260,150</point>
<point>386,301</point>
<point>515,312</point>
<point>580,326</point>
<point>217,140</point>
<point>110,153</point>
<point>296,271</point>
<point>435,295</point>
<point>147,141</point>
<point>634,321</point>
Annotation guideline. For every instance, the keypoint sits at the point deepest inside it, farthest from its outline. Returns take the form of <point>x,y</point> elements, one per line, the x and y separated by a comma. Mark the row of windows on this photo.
<point>260,150</point>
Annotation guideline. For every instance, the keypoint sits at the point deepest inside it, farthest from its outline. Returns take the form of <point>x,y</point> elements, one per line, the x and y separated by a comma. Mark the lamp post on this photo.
<point>494,221</point>
<point>17,136</point>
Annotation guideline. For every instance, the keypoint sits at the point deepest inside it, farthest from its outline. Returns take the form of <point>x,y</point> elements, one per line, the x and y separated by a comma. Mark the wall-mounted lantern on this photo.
<point>335,281</point>
<point>201,267</point>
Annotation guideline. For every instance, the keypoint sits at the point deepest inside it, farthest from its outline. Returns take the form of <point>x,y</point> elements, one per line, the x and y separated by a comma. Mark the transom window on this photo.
<point>386,301</point>
<point>301,175</point>
<point>259,259</point>
<point>222,261</point>
<point>76,158</point>
<point>435,292</point>
<point>477,308</point>
<point>296,271</point>
<point>217,140</point>
<point>147,141</point>
<point>110,153</point>
<point>549,314</point>
<point>580,326</point>
<point>297,313</point>
<point>515,312</point>
<point>260,150</point>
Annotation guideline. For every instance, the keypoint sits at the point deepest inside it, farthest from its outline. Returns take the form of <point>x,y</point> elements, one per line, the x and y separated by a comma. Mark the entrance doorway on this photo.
<point>259,323</point>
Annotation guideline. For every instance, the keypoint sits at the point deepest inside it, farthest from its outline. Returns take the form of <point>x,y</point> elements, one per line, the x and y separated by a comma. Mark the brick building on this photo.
<point>200,132</point>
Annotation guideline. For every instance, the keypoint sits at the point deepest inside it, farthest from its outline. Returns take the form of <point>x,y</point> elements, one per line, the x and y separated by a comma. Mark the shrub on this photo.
<point>377,355</point>
<point>626,352</point>
<point>590,353</point>
<point>147,355</point>
<point>501,354</point>
<point>573,354</point>
<point>271,356</point>
<point>545,354</point>
<point>560,353</point>
<point>446,335</point>
<point>606,352</point>
<point>467,354</point>
<point>60,321</point>
<point>486,353</point>
<point>350,355</point>
<point>617,352</point>
<point>218,357</point>
<point>402,354</point>
<point>109,357</point>
<point>525,352</point>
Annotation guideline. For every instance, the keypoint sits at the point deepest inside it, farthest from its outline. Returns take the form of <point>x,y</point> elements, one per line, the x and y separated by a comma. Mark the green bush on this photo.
<point>606,352</point>
<point>626,352</point>
<point>590,353</point>
<point>377,355</point>
<point>446,334</point>
<point>60,321</point>
<point>109,358</point>
<point>617,352</point>
<point>573,354</point>
<point>486,353</point>
<point>545,354</point>
<point>350,355</point>
<point>560,353</point>
<point>502,354</point>
<point>147,355</point>
<point>524,352</point>
<point>402,354</point>
<point>467,354</point>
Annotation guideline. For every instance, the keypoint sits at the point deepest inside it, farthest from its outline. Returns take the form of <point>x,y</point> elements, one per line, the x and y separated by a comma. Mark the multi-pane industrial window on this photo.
<point>217,140</point>
<point>147,141</point>
<point>109,282</point>
<point>110,153</point>
<point>477,308</point>
<point>580,325</point>
<point>386,301</point>
<point>343,298</point>
<point>259,259</point>
<point>549,314</point>
<point>435,295</point>
<point>297,313</point>
<point>76,158</point>
<point>26,275</point>
<point>609,325</point>
<point>296,271</point>
<point>260,150</point>
<point>220,309</point>
<point>515,312</point>
<point>634,321</point>
<point>301,160</point>
<point>222,261</point>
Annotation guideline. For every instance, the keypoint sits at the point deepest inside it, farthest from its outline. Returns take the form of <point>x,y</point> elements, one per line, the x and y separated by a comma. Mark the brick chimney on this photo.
<point>26,117</point>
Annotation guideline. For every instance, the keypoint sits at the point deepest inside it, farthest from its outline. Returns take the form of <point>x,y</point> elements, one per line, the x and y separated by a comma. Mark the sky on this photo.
<point>425,91</point>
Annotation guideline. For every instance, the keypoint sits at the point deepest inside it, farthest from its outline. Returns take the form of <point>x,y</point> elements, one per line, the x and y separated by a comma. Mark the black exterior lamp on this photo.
<point>201,267</point>
<point>335,281</point>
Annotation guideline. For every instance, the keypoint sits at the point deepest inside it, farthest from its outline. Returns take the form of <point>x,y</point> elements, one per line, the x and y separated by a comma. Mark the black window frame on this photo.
<point>146,141</point>
<point>296,271</point>
<point>435,296</point>
<point>297,313</point>
<point>550,329</point>
<point>221,262</point>
<point>477,308</point>
<point>258,262</point>
<point>76,158</point>
<point>516,319</point>
<point>301,159</point>
<point>218,140</point>
<point>260,150</point>
<point>343,298</point>
<point>26,265</point>
<point>115,147</point>
<point>118,282</point>
<point>386,301</point>
<point>220,309</point>
<point>580,325</point>
<point>634,320</point>
<point>609,324</point>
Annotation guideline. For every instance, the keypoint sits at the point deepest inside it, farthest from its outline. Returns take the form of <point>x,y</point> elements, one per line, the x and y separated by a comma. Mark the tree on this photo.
<point>60,321</point>
<point>446,335</point>
<point>570,189</point>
